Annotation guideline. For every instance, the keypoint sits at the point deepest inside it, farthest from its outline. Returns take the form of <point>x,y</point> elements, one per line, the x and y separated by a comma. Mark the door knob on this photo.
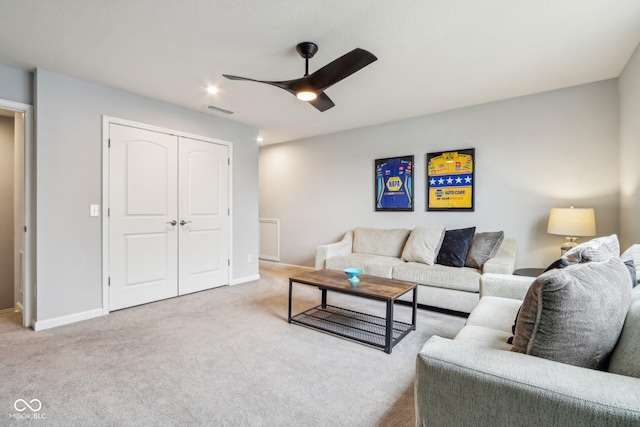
<point>172,222</point>
<point>183,222</point>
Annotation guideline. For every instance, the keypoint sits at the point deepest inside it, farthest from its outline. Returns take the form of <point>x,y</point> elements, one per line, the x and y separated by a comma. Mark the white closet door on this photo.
<point>204,215</point>
<point>143,182</point>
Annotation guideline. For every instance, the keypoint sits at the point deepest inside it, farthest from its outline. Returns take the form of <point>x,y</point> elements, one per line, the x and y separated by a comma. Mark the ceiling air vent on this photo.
<point>220,110</point>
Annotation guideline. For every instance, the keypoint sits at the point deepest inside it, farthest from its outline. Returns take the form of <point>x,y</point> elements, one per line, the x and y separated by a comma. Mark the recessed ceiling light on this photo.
<point>260,139</point>
<point>212,90</point>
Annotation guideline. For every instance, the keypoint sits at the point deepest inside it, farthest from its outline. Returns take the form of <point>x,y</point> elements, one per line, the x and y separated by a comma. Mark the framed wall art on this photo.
<point>394,184</point>
<point>451,180</point>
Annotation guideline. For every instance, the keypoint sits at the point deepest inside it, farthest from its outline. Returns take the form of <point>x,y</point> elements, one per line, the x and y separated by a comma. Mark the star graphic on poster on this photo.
<point>458,180</point>
<point>467,180</point>
<point>449,180</point>
<point>441,181</point>
<point>432,181</point>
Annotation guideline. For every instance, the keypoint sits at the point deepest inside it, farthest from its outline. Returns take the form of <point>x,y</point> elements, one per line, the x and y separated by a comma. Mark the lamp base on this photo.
<point>569,244</point>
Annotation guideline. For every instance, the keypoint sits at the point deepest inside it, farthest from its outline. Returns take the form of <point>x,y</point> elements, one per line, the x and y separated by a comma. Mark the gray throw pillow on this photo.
<point>484,246</point>
<point>624,359</point>
<point>423,244</point>
<point>575,315</point>
<point>633,254</point>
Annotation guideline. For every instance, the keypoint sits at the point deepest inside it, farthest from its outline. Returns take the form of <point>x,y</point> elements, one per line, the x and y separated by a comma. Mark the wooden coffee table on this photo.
<point>380,332</point>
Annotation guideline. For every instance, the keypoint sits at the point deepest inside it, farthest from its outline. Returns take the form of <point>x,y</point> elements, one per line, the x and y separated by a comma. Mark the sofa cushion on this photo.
<point>575,315</point>
<point>495,312</point>
<point>483,247</point>
<point>624,359</point>
<point>455,247</point>
<point>483,336</point>
<point>423,244</point>
<point>597,249</point>
<point>375,265</point>
<point>441,276</point>
<point>633,254</point>
<point>376,241</point>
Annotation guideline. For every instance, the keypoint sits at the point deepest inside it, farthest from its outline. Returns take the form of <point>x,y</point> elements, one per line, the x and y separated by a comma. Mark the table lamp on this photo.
<point>571,222</point>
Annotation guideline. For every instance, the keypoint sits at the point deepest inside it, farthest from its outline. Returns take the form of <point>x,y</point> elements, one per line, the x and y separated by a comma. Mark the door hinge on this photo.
<point>229,211</point>
<point>229,161</point>
<point>25,228</point>
<point>229,262</point>
<point>109,144</point>
<point>109,280</point>
<point>108,211</point>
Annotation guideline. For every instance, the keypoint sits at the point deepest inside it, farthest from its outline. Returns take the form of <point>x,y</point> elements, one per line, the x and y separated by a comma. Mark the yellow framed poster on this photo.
<point>451,180</point>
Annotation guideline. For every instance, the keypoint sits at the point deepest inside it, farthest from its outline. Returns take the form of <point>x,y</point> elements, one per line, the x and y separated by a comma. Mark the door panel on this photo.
<point>204,206</point>
<point>143,201</point>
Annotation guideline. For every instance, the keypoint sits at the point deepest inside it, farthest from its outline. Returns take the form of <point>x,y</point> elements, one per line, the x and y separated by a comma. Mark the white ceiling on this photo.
<point>433,55</point>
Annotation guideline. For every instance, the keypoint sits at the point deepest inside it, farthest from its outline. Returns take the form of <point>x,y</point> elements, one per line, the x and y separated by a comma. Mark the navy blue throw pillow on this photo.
<point>455,247</point>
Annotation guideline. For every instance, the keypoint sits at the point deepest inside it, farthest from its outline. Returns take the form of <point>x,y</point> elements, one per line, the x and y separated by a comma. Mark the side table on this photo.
<point>529,272</point>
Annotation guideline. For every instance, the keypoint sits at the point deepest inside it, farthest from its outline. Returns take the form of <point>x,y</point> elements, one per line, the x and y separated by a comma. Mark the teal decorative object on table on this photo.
<point>353,274</point>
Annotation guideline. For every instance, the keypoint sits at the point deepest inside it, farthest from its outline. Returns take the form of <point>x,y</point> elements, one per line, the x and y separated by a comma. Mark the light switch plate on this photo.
<point>94,210</point>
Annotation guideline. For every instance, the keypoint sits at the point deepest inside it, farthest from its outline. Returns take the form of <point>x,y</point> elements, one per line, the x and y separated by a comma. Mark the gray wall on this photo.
<point>16,85</point>
<point>630,151</point>
<point>69,137</point>
<point>6,212</point>
<point>533,153</point>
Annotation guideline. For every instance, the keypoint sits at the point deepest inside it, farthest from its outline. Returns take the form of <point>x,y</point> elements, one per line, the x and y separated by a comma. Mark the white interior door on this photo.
<point>204,215</point>
<point>143,181</point>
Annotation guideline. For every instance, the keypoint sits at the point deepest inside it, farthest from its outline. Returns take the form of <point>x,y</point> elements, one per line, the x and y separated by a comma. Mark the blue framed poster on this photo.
<point>394,184</point>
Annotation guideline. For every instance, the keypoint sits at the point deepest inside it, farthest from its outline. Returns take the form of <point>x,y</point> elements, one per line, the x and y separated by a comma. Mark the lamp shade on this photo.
<point>572,222</point>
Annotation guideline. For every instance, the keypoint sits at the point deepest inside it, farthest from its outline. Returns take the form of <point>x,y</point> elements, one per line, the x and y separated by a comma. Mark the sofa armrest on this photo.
<point>466,385</point>
<point>504,261</point>
<point>505,285</point>
<point>343,247</point>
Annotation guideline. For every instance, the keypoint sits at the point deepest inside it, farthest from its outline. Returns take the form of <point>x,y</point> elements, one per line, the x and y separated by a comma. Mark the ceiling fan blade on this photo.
<point>340,69</point>
<point>322,102</point>
<point>288,85</point>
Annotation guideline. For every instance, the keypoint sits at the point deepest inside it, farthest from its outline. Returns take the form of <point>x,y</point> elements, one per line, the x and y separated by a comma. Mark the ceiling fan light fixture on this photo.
<point>311,87</point>
<point>306,95</point>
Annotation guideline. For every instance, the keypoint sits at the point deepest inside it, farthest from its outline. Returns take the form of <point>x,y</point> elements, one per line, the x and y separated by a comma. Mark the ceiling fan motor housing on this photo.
<point>307,49</point>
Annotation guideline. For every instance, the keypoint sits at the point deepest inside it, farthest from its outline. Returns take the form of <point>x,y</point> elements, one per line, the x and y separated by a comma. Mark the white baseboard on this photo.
<point>41,325</point>
<point>245,279</point>
<point>286,265</point>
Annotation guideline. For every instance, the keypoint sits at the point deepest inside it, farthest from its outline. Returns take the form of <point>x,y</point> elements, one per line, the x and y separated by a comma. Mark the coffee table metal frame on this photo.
<point>379,332</point>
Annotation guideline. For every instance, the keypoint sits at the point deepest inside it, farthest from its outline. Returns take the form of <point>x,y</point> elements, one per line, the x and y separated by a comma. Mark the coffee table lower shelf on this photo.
<point>361,327</point>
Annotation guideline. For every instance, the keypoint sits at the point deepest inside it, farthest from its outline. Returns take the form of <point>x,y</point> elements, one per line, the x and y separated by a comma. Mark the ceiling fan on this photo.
<point>311,87</point>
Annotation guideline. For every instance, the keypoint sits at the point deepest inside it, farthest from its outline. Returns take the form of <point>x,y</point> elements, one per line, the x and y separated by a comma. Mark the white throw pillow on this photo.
<point>599,249</point>
<point>423,244</point>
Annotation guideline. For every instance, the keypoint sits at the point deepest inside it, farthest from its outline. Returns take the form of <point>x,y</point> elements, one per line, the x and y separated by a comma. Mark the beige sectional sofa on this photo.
<point>578,364</point>
<point>412,255</point>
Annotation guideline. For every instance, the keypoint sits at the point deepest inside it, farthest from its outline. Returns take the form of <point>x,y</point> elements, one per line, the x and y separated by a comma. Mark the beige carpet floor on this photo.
<point>223,357</point>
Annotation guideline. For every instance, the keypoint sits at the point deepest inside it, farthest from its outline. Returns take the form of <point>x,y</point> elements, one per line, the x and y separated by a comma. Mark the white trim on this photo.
<point>65,320</point>
<point>108,120</point>
<point>245,279</point>
<point>266,261</point>
<point>28,290</point>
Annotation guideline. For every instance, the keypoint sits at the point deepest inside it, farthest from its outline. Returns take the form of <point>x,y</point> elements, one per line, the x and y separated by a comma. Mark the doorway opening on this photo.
<point>16,293</point>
